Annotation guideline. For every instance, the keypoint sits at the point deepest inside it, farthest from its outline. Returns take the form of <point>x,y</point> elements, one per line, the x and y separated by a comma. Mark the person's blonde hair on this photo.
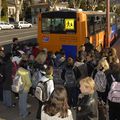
<point>88,82</point>
<point>103,63</point>
<point>41,57</point>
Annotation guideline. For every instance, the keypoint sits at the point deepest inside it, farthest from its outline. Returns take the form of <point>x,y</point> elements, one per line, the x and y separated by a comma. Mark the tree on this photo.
<point>18,6</point>
<point>75,3</point>
<point>26,13</point>
<point>4,8</point>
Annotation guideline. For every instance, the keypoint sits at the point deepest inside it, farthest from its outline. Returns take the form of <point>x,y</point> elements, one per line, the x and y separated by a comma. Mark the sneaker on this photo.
<point>14,104</point>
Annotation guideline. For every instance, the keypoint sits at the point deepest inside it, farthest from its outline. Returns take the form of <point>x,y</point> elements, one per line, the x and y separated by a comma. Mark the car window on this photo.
<point>6,23</point>
<point>26,22</point>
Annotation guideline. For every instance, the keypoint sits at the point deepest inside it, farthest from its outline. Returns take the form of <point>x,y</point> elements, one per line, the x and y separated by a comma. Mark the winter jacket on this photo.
<point>26,79</point>
<point>87,108</point>
<point>7,74</point>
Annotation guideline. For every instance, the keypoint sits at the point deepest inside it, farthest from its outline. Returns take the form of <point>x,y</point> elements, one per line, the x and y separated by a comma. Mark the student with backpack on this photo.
<point>99,76</point>
<point>69,78</point>
<point>113,88</point>
<point>44,89</point>
<point>87,108</point>
<point>23,93</point>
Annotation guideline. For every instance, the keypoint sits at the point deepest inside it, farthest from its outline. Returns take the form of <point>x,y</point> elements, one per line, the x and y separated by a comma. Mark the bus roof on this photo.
<point>77,11</point>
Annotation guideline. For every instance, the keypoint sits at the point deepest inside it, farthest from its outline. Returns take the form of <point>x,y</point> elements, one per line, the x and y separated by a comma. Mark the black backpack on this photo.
<point>70,80</point>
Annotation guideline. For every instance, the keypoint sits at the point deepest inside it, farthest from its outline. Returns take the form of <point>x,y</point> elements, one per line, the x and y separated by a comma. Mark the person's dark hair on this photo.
<point>23,63</point>
<point>15,39</point>
<point>116,71</point>
<point>57,102</point>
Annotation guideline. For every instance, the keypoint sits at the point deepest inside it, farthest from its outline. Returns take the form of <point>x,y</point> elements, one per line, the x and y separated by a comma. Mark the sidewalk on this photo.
<point>13,113</point>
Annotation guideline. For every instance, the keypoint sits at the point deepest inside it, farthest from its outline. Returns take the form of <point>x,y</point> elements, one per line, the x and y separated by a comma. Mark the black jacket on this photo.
<point>87,108</point>
<point>7,74</point>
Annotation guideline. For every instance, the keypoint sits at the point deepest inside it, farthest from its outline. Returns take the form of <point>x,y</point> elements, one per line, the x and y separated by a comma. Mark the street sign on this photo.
<point>69,24</point>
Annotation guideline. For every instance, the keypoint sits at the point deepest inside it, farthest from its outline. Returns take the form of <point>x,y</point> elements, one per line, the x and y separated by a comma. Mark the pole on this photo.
<point>107,40</point>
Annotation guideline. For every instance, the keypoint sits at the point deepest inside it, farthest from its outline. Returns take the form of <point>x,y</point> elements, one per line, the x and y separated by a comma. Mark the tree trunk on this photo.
<point>18,5</point>
<point>17,15</point>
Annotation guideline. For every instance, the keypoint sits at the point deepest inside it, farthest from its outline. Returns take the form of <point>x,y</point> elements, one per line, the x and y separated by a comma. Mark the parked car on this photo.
<point>22,24</point>
<point>5,25</point>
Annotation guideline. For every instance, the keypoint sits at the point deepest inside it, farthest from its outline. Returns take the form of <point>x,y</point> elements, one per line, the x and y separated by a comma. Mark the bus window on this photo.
<point>46,22</point>
<point>103,22</point>
<point>97,23</point>
<point>59,22</point>
<point>91,25</point>
<point>58,25</point>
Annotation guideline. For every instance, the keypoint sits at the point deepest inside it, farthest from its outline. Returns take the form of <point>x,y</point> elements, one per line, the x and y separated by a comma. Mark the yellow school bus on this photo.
<point>68,29</point>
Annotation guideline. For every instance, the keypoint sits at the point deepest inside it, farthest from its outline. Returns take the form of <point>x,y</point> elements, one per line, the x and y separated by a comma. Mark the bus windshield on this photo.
<point>59,23</point>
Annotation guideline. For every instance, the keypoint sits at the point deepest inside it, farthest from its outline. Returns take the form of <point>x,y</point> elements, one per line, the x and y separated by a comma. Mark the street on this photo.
<point>22,34</point>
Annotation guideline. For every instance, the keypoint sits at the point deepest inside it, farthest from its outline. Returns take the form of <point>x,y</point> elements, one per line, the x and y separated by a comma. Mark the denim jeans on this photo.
<point>23,104</point>
<point>7,98</point>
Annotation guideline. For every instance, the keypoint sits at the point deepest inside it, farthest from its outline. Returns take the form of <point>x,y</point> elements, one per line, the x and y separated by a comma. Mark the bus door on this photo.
<point>70,50</point>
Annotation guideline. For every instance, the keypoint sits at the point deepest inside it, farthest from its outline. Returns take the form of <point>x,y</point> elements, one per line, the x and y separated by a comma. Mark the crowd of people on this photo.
<point>80,83</point>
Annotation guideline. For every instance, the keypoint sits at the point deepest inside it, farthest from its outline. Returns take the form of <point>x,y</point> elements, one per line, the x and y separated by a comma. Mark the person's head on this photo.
<point>87,40</point>
<point>23,64</point>
<point>2,54</point>
<point>1,48</point>
<point>70,61</point>
<point>57,102</point>
<point>82,48</point>
<point>112,52</point>
<point>15,40</point>
<point>25,57</point>
<point>31,57</point>
<point>89,57</point>
<point>62,58</point>
<point>87,85</point>
<point>49,70</point>
<point>103,64</point>
<point>41,57</point>
<point>80,58</point>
